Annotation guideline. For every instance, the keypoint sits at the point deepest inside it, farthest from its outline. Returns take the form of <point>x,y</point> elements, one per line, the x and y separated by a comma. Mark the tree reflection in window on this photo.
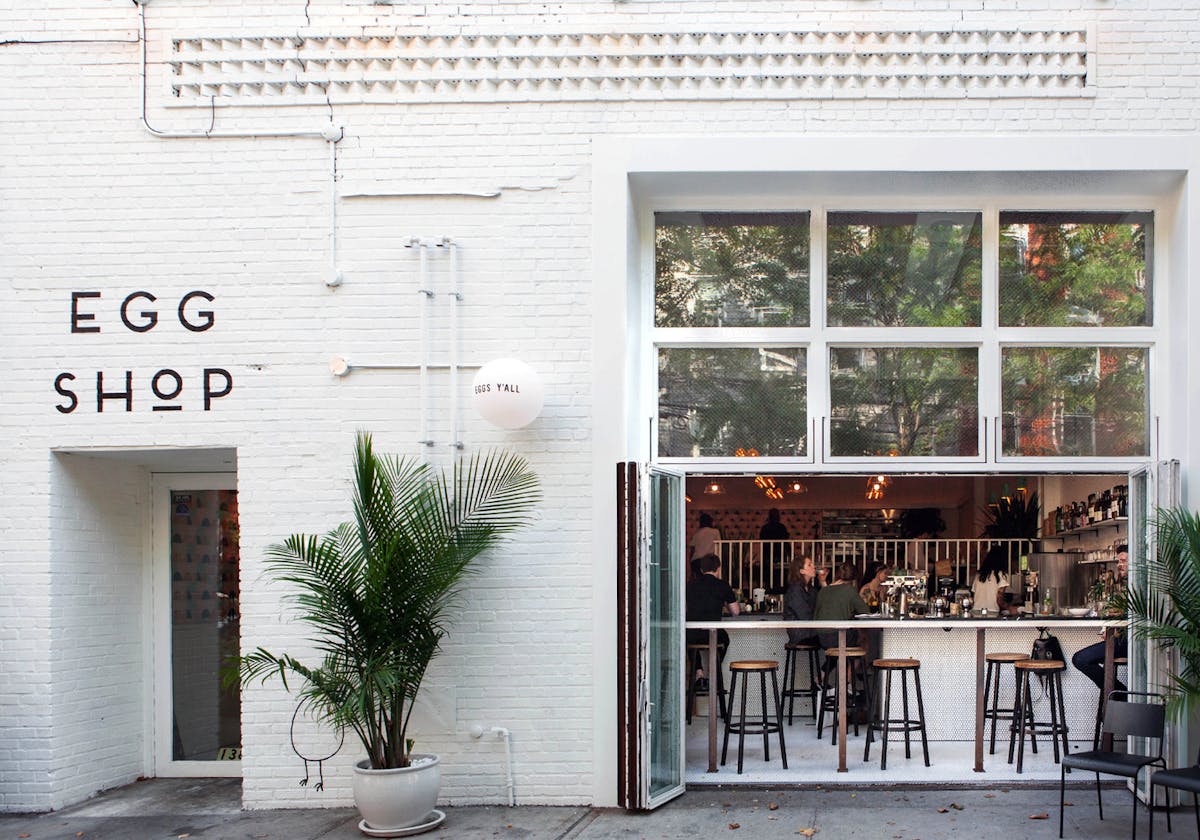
<point>905,269</point>
<point>716,401</point>
<point>905,401</point>
<point>1075,269</point>
<point>731,270</point>
<point>1075,401</point>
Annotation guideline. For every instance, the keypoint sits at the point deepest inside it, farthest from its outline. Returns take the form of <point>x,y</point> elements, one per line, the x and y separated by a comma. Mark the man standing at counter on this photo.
<point>706,597</point>
<point>1090,660</point>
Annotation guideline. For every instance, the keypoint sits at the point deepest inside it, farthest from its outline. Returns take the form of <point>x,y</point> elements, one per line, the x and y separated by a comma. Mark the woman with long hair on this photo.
<point>991,583</point>
<point>800,599</point>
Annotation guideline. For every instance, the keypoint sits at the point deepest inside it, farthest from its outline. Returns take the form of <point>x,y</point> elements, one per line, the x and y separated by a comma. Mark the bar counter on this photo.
<point>770,630</point>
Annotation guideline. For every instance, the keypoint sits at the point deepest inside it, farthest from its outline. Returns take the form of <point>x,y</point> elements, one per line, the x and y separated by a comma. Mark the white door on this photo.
<point>650,554</point>
<point>195,624</point>
<point>662,574</point>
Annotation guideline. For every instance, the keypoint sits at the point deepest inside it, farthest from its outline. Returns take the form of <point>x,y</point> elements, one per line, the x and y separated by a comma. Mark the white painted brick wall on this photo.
<point>98,522</point>
<point>92,202</point>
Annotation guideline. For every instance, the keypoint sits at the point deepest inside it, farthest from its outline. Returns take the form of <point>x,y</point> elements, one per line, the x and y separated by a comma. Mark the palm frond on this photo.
<point>1166,609</point>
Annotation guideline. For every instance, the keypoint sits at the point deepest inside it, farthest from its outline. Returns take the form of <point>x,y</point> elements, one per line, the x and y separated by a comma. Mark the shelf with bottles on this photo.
<point>1089,529</point>
<point>1102,509</point>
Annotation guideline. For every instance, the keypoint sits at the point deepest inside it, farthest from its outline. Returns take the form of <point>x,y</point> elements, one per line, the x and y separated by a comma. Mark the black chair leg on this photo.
<point>992,680</point>
<point>921,715</point>
<point>1133,821</point>
<point>1099,799</point>
<point>904,694</point>
<point>887,716</point>
<point>762,695</point>
<point>728,721</point>
<point>742,722</point>
<point>1062,714</point>
<point>1062,797</point>
<point>779,718</point>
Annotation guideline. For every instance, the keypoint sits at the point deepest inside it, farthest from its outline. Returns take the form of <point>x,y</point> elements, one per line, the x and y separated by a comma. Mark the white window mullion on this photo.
<point>989,351</point>
<point>818,354</point>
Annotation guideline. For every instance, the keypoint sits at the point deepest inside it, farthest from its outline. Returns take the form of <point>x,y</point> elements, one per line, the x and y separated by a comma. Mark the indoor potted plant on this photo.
<point>377,593</point>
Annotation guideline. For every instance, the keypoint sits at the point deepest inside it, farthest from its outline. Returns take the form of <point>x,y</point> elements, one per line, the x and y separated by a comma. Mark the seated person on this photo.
<point>872,590</point>
<point>1090,660</point>
<point>706,598</point>
<point>840,601</point>
<point>800,600</point>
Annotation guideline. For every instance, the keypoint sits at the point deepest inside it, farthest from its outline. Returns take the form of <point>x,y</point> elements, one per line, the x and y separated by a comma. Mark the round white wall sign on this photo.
<point>508,393</point>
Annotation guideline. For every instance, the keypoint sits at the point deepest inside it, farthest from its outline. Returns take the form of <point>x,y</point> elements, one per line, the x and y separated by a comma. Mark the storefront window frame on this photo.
<point>989,336</point>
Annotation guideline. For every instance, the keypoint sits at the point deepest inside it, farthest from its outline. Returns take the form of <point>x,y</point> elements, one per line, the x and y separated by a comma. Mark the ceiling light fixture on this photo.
<point>876,484</point>
<point>713,488</point>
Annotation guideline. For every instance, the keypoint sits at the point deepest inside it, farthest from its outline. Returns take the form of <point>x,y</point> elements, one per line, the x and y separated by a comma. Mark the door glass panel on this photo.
<point>726,401</point>
<point>904,401</point>
<point>731,270</point>
<point>1075,401</point>
<point>1075,269</point>
<point>905,269</point>
<point>206,720</point>
<point>665,653</point>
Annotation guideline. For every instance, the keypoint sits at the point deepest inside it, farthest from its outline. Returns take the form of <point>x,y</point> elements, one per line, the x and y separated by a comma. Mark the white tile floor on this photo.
<point>812,761</point>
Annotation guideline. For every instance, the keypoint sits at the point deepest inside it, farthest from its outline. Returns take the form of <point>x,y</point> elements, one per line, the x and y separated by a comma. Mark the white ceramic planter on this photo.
<point>395,799</point>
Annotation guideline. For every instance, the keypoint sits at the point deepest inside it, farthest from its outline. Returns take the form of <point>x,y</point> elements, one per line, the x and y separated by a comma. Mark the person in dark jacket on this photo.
<point>707,597</point>
<point>800,600</point>
<point>777,555</point>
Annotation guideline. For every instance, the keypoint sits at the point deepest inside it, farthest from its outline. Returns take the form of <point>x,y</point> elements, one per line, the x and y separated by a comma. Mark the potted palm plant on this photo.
<point>377,594</point>
<point>1166,609</point>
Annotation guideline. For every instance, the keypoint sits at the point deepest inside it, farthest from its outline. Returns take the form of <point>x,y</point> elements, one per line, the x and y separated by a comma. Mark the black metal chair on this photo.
<point>1179,778</point>
<point>1127,718</point>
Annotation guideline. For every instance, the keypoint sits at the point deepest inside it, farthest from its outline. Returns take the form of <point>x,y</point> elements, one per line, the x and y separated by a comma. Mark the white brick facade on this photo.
<point>94,202</point>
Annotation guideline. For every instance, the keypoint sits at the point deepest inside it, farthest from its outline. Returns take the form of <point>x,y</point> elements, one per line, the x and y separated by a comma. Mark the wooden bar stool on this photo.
<point>884,668</point>
<point>1052,670</point>
<point>697,658</point>
<point>764,726</point>
<point>992,709</point>
<point>1118,663</point>
<point>790,666</point>
<point>830,690</point>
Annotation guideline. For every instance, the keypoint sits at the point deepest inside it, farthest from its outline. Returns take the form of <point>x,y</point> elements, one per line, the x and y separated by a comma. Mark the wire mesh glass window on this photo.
<point>726,401</point>
<point>1075,401</point>
<point>1075,269</point>
<point>731,269</point>
<point>904,401</point>
<point>905,269</point>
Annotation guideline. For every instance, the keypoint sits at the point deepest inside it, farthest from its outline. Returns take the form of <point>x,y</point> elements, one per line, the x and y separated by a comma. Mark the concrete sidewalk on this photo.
<point>190,809</point>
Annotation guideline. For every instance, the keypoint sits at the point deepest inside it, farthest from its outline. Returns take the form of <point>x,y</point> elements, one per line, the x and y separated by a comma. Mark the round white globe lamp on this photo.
<point>508,393</point>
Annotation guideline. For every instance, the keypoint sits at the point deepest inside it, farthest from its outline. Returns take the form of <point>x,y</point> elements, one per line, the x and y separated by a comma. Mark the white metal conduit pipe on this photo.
<point>426,293</point>
<point>330,133</point>
<point>477,731</point>
<point>455,302</point>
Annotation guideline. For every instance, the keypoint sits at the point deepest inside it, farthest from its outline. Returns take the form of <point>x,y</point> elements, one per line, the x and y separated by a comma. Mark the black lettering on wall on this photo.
<point>156,387</point>
<point>77,316</point>
<point>151,316</point>
<point>209,393</point>
<point>206,314</point>
<point>126,395</point>
<point>66,392</point>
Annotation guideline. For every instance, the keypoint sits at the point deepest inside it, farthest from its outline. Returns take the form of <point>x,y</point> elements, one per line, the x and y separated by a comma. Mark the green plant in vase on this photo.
<point>378,592</point>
